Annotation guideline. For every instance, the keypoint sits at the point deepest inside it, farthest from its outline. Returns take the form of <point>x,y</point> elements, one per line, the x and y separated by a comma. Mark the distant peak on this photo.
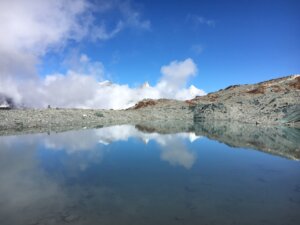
<point>145,85</point>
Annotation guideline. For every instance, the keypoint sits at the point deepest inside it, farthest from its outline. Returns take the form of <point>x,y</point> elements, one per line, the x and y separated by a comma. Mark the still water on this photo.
<point>126,175</point>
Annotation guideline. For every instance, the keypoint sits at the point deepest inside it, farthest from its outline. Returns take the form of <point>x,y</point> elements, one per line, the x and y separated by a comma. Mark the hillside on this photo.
<point>275,101</point>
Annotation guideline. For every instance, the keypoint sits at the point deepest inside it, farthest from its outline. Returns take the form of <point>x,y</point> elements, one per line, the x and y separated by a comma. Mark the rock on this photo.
<point>6,102</point>
<point>144,103</point>
<point>213,110</point>
<point>292,114</point>
<point>275,101</point>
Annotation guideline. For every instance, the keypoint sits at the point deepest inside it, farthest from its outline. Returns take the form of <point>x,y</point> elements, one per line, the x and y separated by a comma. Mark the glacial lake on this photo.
<point>145,176</point>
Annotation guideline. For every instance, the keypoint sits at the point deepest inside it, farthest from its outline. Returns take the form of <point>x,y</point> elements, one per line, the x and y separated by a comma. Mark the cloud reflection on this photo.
<point>173,149</point>
<point>31,182</point>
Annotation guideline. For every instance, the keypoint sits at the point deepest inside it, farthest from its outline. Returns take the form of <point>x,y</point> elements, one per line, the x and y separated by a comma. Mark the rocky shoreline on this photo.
<point>274,102</point>
<point>44,120</point>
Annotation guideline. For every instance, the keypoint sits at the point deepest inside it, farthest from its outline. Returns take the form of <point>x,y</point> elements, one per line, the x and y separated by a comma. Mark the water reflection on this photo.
<point>136,175</point>
<point>172,146</point>
<point>279,140</point>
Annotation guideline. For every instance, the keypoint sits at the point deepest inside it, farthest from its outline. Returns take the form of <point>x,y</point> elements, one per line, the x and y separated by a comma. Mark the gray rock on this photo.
<point>272,102</point>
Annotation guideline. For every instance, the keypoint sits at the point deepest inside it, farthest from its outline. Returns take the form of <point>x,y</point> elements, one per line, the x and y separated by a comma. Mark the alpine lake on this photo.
<point>206,173</point>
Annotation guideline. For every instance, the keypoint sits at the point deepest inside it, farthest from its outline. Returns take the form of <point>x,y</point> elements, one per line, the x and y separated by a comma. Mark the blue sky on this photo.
<point>57,52</point>
<point>232,42</point>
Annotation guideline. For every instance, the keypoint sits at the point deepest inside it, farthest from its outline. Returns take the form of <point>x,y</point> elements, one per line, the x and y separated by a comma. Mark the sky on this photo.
<point>63,52</point>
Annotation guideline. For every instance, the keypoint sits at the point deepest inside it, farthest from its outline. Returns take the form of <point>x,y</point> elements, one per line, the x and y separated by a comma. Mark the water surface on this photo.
<point>133,175</point>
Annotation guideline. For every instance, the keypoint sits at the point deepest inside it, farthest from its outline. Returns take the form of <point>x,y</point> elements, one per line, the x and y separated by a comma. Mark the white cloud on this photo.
<point>29,30</point>
<point>82,89</point>
<point>33,28</point>
<point>176,75</point>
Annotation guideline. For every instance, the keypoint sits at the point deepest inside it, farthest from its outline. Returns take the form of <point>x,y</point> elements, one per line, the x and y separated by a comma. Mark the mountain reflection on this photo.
<point>172,146</point>
<point>145,175</point>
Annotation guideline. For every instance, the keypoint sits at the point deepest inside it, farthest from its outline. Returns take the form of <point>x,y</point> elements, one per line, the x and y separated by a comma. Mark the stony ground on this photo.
<point>275,102</point>
<point>272,102</point>
<point>41,120</point>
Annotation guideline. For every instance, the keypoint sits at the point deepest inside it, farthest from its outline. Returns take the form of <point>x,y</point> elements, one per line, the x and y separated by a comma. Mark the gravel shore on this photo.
<point>275,102</point>
<point>43,120</point>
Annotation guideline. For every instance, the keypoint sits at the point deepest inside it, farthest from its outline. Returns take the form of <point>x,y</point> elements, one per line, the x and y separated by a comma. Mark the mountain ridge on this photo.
<point>275,101</point>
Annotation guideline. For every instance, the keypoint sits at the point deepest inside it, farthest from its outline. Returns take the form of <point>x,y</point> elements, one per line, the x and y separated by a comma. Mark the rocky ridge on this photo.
<point>275,101</point>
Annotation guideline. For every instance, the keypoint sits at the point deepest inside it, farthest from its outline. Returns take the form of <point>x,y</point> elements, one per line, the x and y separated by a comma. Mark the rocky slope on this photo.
<point>275,101</point>
<point>43,120</point>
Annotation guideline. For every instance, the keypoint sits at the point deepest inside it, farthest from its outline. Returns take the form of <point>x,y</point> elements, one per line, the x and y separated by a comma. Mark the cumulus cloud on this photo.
<point>82,90</point>
<point>33,28</point>
<point>30,29</point>
<point>35,25</point>
<point>84,87</point>
<point>175,74</point>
